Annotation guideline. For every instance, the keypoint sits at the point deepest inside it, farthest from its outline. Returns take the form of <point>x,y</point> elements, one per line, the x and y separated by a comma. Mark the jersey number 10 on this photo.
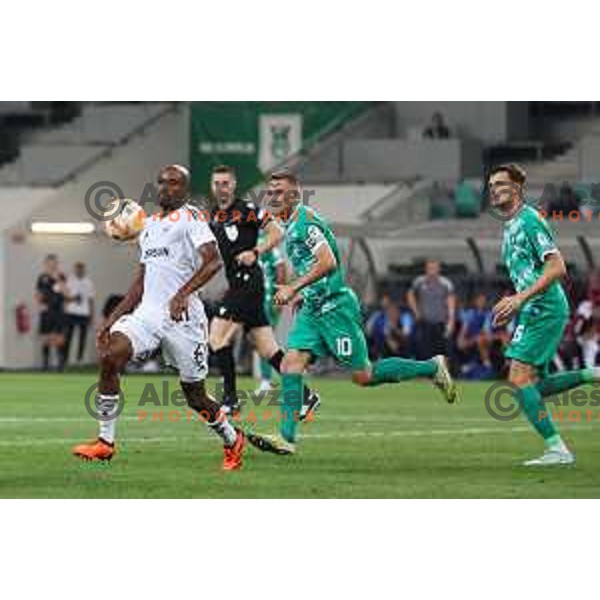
<point>344,346</point>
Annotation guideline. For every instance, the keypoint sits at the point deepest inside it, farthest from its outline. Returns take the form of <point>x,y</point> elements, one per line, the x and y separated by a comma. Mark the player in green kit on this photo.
<point>536,267</point>
<point>329,320</point>
<point>274,271</point>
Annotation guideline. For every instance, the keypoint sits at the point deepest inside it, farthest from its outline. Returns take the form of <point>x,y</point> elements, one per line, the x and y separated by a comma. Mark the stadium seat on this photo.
<point>468,201</point>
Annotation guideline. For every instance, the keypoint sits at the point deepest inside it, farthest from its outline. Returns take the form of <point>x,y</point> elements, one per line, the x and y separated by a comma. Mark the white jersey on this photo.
<point>169,252</point>
<point>82,289</point>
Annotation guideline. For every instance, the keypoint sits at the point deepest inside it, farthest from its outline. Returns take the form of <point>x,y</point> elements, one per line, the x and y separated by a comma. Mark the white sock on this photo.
<point>107,406</point>
<point>224,429</point>
<point>558,445</point>
<point>590,351</point>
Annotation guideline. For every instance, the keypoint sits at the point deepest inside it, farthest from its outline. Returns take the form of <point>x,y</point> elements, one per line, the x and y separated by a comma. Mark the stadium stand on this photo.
<point>47,165</point>
<point>53,143</point>
<point>103,124</point>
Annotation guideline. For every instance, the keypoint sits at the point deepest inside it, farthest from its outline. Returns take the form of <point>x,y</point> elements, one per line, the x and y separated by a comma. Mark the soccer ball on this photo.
<point>128,224</point>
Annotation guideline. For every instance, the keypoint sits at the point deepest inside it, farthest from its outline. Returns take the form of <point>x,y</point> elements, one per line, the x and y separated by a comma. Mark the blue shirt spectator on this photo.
<point>475,321</point>
<point>390,330</point>
<point>473,339</point>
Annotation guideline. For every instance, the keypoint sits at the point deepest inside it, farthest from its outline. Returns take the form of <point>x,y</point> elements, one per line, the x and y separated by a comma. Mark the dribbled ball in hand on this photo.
<point>128,224</point>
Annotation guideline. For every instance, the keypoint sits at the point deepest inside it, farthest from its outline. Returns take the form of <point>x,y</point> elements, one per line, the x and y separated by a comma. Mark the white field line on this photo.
<point>187,417</point>
<point>25,442</point>
<point>184,418</point>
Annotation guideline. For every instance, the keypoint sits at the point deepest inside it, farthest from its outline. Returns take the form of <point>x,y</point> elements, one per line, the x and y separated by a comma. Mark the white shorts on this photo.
<point>184,345</point>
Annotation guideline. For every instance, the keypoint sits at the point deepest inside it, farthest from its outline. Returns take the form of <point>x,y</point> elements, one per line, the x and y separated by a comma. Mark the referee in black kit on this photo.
<point>50,291</point>
<point>236,224</point>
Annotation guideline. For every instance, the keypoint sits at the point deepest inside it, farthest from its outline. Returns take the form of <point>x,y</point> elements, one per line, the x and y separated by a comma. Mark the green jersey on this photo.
<point>528,240</point>
<point>268,263</point>
<point>306,231</point>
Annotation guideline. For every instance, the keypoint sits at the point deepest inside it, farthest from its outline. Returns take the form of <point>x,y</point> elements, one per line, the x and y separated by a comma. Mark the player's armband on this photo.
<point>315,238</point>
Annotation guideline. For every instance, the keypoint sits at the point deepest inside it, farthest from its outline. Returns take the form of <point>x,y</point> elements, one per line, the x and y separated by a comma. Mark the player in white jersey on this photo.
<point>178,255</point>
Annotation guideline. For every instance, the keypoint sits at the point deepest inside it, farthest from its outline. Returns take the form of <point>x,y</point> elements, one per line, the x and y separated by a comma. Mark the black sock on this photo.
<point>45,357</point>
<point>62,358</point>
<point>224,358</point>
<point>276,360</point>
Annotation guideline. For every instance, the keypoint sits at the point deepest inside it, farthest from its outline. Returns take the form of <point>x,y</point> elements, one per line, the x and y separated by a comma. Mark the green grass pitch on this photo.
<point>392,442</point>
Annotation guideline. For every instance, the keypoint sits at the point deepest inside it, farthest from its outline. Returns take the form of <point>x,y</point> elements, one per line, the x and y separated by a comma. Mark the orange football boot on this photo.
<point>232,457</point>
<point>98,450</point>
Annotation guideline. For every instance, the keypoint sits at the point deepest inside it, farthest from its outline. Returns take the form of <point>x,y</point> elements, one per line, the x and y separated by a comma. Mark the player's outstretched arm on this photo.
<point>211,264</point>
<point>272,238</point>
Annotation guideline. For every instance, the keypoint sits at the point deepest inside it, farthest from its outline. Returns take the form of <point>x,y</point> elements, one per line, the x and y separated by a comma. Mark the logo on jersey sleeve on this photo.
<point>314,237</point>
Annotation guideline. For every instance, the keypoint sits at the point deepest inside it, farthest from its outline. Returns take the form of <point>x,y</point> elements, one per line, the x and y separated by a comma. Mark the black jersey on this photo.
<point>49,289</point>
<point>236,229</point>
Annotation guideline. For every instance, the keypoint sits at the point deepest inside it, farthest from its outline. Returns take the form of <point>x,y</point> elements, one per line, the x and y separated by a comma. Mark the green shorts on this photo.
<point>336,332</point>
<point>536,338</point>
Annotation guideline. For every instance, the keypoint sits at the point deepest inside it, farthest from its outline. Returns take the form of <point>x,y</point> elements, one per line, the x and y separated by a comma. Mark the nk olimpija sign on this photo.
<point>255,137</point>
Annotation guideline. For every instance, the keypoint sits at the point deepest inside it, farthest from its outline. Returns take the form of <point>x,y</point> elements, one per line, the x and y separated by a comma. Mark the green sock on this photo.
<point>290,406</point>
<point>266,370</point>
<point>393,370</point>
<point>562,382</point>
<point>535,410</point>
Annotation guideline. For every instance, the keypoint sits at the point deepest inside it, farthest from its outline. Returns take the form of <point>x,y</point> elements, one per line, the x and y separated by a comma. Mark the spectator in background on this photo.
<point>593,287</point>
<point>569,355</point>
<point>587,332</point>
<point>499,338</point>
<point>473,339</point>
<point>389,330</point>
<point>437,130</point>
<point>587,323</point>
<point>79,310</point>
<point>433,303</point>
<point>50,292</point>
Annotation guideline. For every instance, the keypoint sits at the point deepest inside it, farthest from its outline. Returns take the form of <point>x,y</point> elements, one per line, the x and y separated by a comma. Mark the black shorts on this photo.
<point>430,340</point>
<point>52,323</point>
<point>243,307</point>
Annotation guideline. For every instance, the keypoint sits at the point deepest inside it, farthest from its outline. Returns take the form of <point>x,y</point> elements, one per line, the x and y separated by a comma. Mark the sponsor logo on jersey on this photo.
<point>156,252</point>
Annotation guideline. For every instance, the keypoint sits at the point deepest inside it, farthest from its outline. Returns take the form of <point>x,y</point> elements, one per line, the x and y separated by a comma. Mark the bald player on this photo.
<point>161,310</point>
